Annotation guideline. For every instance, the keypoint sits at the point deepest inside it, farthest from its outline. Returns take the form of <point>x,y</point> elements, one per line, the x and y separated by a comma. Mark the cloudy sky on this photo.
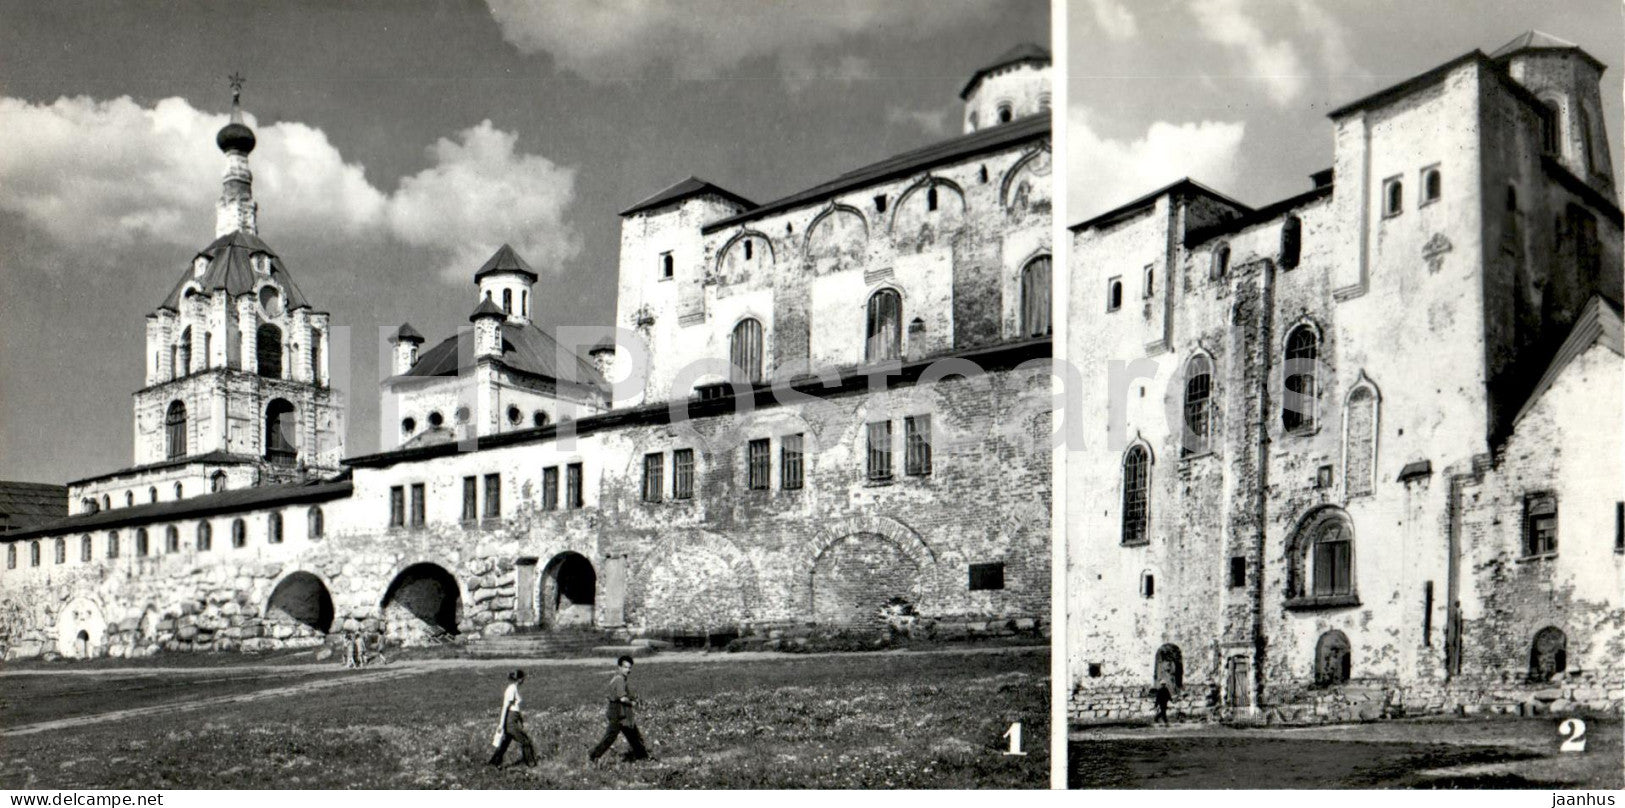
<point>399,145</point>
<point>1234,93</point>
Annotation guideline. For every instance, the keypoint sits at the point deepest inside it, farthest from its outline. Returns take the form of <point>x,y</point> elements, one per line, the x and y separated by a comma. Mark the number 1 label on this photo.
<point>1014,734</point>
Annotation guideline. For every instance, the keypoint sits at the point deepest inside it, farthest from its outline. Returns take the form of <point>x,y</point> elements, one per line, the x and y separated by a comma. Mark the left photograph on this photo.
<point>525,397</point>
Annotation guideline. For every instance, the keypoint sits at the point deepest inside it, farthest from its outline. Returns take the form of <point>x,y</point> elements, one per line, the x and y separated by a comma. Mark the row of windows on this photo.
<point>217,483</point>
<point>172,539</point>
<point>413,512</point>
<point>916,448</point>
<point>267,352</point>
<point>409,425</point>
<point>1291,255</point>
<point>1393,191</point>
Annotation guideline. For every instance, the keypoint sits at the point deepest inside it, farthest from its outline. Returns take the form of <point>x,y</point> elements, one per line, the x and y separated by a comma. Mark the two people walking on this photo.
<point>620,714</point>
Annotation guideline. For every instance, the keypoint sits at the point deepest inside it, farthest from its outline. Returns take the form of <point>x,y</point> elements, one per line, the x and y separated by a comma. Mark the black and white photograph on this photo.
<point>1345,280</point>
<point>459,395</point>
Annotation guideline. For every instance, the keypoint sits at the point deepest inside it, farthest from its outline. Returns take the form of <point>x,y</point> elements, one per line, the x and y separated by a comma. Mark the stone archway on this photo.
<point>569,592</point>
<point>301,600</point>
<point>859,575</point>
<point>81,630</point>
<point>422,605</point>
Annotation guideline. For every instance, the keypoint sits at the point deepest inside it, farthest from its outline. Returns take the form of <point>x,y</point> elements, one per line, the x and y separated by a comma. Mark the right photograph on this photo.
<point>1344,292</point>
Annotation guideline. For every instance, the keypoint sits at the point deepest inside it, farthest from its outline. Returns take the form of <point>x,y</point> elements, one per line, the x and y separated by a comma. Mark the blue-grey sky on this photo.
<point>1234,93</point>
<point>399,145</point>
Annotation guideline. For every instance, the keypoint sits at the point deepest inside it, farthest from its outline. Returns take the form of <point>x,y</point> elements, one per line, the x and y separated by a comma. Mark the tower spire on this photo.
<point>236,209</point>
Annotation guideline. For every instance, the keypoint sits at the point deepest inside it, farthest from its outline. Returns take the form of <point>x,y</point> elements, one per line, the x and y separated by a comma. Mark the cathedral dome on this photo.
<point>235,136</point>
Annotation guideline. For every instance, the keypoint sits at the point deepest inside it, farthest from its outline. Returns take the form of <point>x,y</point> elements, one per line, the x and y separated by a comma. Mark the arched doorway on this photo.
<point>81,644</point>
<point>281,433</point>
<point>421,605</point>
<point>861,577</point>
<point>569,591</point>
<point>1548,654</point>
<point>1170,667</point>
<point>302,600</point>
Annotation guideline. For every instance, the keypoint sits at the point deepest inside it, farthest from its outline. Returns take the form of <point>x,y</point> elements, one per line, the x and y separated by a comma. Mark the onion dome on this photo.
<point>235,136</point>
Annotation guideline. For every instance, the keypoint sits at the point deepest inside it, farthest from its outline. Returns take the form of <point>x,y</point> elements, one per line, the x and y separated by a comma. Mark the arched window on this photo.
<point>180,491</point>
<point>129,498</point>
<point>316,357</point>
<point>885,326</point>
<point>931,198</point>
<point>745,351</point>
<point>1551,126</point>
<point>152,493</point>
<point>239,533</point>
<point>314,525</point>
<point>217,481</point>
<point>142,543</point>
<point>1432,185</point>
<point>61,551</point>
<point>1298,404</point>
<point>175,429</point>
<point>84,547</point>
<point>112,544</point>
<point>33,554</point>
<point>172,540</point>
<point>205,537</point>
<point>1291,241</point>
<point>1035,298</point>
<point>1393,197</point>
<point>524,303</point>
<point>11,556</point>
<point>1548,655</point>
<point>107,502</point>
<point>1360,440</point>
<point>1170,667</point>
<point>667,267</point>
<point>1006,113</point>
<point>1198,400</point>
<point>275,523</point>
<point>268,350</point>
<point>507,301</point>
<point>1136,494</point>
<point>1322,559</point>
<point>281,433</point>
<point>1333,659</point>
<point>184,365</point>
<point>1114,294</point>
<point>1221,262</point>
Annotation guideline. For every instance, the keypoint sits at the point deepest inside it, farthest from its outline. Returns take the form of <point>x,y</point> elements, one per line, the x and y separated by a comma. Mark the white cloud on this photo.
<point>931,122</point>
<point>1106,173</point>
<point>611,40</point>
<point>1114,19</point>
<point>1335,56</point>
<point>97,176</point>
<point>1273,62</point>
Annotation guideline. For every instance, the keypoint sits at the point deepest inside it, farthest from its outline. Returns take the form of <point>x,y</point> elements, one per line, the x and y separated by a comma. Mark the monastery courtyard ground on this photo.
<point>1437,753</point>
<point>902,719</point>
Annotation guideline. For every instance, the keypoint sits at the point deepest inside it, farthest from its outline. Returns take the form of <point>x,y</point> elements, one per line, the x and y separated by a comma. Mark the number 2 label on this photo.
<point>1014,734</point>
<point>1574,732</point>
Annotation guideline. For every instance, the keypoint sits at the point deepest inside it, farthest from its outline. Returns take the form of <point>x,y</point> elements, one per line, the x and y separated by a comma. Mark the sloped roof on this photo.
<point>487,308</point>
<point>406,333</point>
<point>194,507</point>
<point>505,260</point>
<point>990,139</point>
<point>526,347</point>
<point>1598,323</point>
<point>1025,52</point>
<point>693,186</point>
<point>25,505</point>
<point>231,269</point>
<point>216,458</point>
<point>1185,185</point>
<point>1540,40</point>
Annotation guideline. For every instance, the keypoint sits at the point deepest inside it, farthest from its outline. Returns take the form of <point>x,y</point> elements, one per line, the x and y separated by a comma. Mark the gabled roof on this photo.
<point>1025,52</point>
<point>693,186</point>
<point>230,269</point>
<point>525,348</point>
<point>1540,40</point>
<point>25,505</point>
<point>194,507</point>
<point>1598,324</point>
<point>1185,185</point>
<point>505,260</point>
<point>487,308</point>
<point>993,138</point>
<point>406,333</point>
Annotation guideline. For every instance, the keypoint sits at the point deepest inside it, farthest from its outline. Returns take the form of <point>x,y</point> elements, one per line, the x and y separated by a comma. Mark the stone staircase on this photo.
<point>556,644</point>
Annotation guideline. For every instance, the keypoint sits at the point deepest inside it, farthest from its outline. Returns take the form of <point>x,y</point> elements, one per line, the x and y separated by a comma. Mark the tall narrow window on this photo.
<point>143,543</point>
<point>11,556</point>
<point>274,519</point>
<point>682,474</point>
<point>1150,285</point>
<point>1302,355</point>
<point>1291,241</point>
<point>791,462</point>
<point>62,550</point>
<point>471,493</point>
<point>760,463</point>
<point>316,357</point>
<point>180,491</point>
<point>205,537</point>
<point>1360,441</point>
<point>239,533</point>
<point>654,464</point>
<point>1035,298</point>
<point>550,488</point>
<point>493,496</point>
<point>745,351</point>
<point>917,445</point>
<point>1198,405</point>
<point>1582,228</point>
<point>1432,185</point>
<point>268,350</point>
<point>931,198</point>
<point>507,301</point>
<point>1221,262</point>
<point>1114,294</point>
<point>397,506</point>
<point>184,362</point>
<point>112,544</point>
<point>175,429</point>
<point>574,495</point>
<point>1393,197</point>
<point>1238,572</point>
<point>315,522</point>
<point>33,554</point>
<point>1540,524</point>
<point>885,326</point>
<point>281,433</point>
<point>208,350</point>
<point>420,505</point>
<point>1619,527</point>
<point>217,482</point>
<point>1332,556</point>
<point>667,268</point>
<point>1549,127</point>
<point>879,454</point>
<point>1136,494</point>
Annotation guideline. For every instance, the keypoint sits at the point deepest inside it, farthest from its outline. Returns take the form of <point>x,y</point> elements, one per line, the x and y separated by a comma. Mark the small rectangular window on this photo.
<point>1323,477</point>
<point>1238,572</point>
<point>1150,281</point>
<point>880,204</point>
<point>654,465</point>
<point>667,265</point>
<point>790,462</point>
<point>879,454</point>
<point>760,462</point>
<point>572,485</point>
<point>1619,527</point>
<point>419,507</point>
<point>1540,524</point>
<point>397,506</point>
<point>470,499</point>
<point>987,576</point>
<point>550,488</point>
<point>1393,197</point>
<point>917,445</point>
<point>493,496</point>
<point>682,474</point>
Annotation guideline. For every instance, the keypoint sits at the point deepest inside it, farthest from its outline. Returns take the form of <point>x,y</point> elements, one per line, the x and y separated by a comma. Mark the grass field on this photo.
<point>892,720</point>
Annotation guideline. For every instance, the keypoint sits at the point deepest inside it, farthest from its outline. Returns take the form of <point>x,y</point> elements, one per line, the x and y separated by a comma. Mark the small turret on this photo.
<point>507,279</point>
<point>487,320</point>
<point>1567,80</point>
<point>1015,85</point>
<point>406,342</point>
<point>236,209</point>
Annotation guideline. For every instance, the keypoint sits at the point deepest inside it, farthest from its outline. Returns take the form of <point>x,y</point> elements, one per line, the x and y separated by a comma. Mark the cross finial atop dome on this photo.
<point>236,136</point>
<point>236,80</point>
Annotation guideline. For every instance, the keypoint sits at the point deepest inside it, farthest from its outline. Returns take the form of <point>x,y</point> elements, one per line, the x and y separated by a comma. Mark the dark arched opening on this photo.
<point>421,605</point>
<point>1170,667</point>
<point>268,350</point>
<point>280,433</point>
<point>302,598</point>
<point>569,591</point>
<point>1333,659</point>
<point>1548,656</point>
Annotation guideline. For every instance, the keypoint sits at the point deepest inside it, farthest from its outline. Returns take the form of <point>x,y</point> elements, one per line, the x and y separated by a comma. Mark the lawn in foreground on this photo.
<point>844,721</point>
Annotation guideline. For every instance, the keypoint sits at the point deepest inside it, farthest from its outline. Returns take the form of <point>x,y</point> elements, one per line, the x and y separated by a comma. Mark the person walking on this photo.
<point>622,719</point>
<point>511,724</point>
<point>1162,695</point>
